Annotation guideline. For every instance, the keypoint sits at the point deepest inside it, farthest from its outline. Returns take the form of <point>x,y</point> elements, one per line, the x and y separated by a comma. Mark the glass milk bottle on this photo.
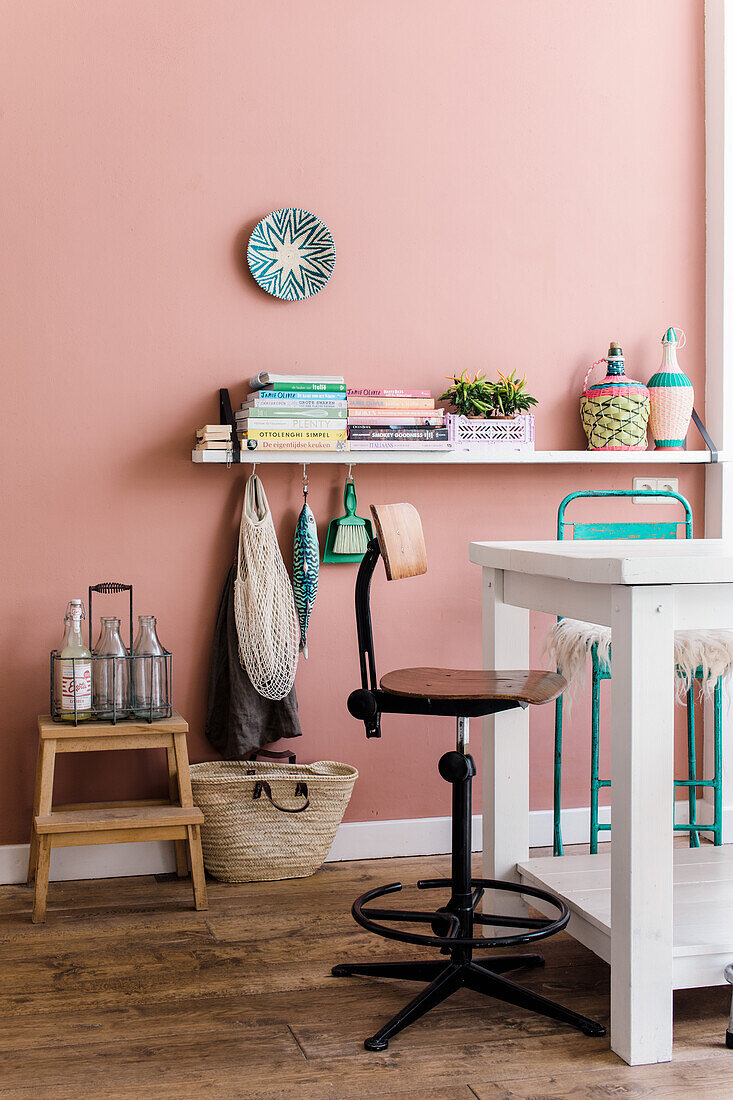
<point>74,685</point>
<point>151,687</point>
<point>111,676</point>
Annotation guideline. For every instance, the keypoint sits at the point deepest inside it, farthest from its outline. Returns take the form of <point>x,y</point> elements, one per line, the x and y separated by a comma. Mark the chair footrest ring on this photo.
<point>536,928</point>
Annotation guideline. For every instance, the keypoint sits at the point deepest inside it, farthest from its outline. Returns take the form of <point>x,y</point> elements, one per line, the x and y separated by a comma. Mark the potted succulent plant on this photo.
<point>490,414</point>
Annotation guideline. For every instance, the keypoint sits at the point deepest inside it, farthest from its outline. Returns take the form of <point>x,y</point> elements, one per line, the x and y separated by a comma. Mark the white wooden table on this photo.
<point>622,905</point>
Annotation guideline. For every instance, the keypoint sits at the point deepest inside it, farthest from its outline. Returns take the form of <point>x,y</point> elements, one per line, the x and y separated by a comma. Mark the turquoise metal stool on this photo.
<point>601,670</point>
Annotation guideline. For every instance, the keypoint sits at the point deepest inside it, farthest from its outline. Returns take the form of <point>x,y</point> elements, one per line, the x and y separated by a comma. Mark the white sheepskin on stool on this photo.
<point>570,640</point>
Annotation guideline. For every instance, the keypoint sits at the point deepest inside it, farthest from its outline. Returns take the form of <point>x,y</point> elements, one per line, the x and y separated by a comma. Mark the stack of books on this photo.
<point>294,412</point>
<point>395,420</point>
<point>214,437</point>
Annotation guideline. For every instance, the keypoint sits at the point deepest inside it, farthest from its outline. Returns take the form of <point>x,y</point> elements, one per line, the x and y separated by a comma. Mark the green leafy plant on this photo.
<point>470,396</point>
<point>510,395</point>
<point>478,397</point>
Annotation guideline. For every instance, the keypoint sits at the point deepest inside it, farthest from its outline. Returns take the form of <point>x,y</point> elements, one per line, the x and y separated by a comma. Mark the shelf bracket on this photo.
<point>706,437</point>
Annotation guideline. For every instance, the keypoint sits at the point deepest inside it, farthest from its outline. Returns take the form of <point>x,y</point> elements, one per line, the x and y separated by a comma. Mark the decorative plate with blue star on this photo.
<point>291,254</point>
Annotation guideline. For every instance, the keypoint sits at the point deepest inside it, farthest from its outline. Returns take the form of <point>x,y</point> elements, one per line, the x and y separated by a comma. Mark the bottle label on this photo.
<point>76,681</point>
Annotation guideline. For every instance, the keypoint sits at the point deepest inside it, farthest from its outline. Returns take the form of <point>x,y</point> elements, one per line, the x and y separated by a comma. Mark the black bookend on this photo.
<point>226,416</point>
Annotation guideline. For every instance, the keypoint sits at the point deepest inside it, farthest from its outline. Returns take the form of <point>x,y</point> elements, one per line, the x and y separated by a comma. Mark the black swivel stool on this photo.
<point>462,695</point>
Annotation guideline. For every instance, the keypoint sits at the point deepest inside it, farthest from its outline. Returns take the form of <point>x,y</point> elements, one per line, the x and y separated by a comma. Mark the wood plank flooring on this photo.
<point>128,992</point>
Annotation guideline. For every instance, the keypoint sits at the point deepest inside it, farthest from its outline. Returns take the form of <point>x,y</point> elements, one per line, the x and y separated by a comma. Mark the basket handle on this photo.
<point>270,754</point>
<point>301,791</point>
<point>591,368</point>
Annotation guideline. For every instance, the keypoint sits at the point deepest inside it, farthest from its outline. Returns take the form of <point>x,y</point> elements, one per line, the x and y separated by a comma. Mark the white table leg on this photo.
<point>642,751</point>
<point>506,744</point>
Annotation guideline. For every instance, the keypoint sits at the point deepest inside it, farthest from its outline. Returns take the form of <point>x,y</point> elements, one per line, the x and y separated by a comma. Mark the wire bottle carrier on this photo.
<point>157,670</point>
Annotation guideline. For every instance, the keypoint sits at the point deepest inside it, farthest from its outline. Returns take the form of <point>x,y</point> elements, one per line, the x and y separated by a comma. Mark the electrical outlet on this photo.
<point>658,484</point>
<point>668,484</point>
<point>644,484</point>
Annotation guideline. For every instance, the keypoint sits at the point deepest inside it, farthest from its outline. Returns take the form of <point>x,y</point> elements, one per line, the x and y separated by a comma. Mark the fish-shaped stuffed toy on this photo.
<point>305,569</point>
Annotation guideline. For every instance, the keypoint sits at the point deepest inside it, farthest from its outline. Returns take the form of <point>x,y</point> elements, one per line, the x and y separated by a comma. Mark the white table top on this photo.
<point>629,561</point>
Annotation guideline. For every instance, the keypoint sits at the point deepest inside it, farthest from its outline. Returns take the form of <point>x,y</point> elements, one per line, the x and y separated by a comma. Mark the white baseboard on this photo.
<point>424,836</point>
<point>430,836</point>
<point>153,857</point>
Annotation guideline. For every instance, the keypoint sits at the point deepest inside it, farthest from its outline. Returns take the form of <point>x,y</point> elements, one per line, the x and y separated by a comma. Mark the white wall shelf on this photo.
<point>458,458</point>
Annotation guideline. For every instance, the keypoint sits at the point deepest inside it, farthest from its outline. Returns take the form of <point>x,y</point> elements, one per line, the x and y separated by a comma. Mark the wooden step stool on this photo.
<point>114,822</point>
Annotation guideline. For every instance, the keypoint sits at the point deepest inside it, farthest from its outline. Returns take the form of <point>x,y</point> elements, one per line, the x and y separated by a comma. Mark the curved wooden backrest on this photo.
<point>401,541</point>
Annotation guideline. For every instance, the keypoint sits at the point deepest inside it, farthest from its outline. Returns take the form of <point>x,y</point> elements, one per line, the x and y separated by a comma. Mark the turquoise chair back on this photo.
<point>643,529</point>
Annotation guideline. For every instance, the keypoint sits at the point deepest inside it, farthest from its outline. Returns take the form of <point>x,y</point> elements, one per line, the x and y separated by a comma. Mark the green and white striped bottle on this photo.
<point>671,397</point>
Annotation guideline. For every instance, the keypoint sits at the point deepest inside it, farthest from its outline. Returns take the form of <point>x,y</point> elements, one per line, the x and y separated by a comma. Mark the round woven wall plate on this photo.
<point>291,254</point>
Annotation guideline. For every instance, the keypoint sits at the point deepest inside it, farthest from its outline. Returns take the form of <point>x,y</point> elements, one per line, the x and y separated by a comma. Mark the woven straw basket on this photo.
<point>269,821</point>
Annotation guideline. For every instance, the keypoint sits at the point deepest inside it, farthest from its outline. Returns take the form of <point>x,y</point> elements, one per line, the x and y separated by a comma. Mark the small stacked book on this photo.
<point>294,412</point>
<point>395,420</point>
<point>214,437</point>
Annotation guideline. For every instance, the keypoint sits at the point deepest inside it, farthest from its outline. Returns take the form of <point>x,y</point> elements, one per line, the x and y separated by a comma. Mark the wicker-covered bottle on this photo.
<point>615,411</point>
<point>671,396</point>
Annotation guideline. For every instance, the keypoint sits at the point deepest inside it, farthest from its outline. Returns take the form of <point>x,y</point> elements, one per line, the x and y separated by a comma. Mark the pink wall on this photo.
<point>508,185</point>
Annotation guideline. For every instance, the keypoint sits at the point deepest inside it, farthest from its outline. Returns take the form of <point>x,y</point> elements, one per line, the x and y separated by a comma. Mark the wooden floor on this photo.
<point>128,992</point>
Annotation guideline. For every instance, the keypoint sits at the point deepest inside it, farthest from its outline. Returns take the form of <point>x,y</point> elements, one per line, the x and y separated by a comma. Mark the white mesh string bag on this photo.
<point>264,606</point>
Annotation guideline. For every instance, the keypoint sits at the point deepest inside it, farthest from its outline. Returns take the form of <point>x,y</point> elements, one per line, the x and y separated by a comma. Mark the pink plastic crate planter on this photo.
<point>512,433</point>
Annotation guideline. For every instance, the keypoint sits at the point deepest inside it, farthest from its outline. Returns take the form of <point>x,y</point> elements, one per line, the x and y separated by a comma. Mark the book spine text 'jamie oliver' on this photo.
<point>292,396</point>
<point>387,393</point>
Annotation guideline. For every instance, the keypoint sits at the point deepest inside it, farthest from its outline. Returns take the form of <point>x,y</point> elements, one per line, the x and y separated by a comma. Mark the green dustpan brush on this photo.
<point>348,535</point>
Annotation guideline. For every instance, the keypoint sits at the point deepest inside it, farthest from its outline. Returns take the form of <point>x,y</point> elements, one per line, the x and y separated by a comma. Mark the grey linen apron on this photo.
<point>238,718</point>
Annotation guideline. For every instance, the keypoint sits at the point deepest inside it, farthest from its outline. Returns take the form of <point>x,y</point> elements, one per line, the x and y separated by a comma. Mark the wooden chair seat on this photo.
<point>534,686</point>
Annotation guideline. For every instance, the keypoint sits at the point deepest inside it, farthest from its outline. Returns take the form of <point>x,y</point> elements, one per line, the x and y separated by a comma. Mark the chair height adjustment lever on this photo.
<point>454,767</point>
<point>363,705</point>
